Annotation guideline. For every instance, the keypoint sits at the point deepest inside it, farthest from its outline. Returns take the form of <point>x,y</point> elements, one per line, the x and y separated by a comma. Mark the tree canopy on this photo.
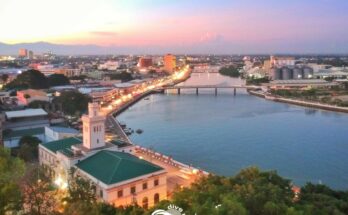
<point>11,171</point>
<point>231,71</point>
<point>58,80</point>
<point>28,148</point>
<point>32,79</point>
<point>73,102</point>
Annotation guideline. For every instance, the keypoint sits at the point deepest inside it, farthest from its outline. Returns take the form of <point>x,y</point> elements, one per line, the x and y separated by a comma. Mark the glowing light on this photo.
<point>58,181</point>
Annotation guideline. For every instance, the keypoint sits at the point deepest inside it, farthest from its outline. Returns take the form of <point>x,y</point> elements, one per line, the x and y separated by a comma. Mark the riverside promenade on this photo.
<point>302,103</point>
<point>179,175</point>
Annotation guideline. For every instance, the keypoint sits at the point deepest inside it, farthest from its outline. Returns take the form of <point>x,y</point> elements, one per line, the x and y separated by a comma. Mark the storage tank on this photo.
<point>276,74</point>
<point>307,72</point>
<point>287,74</point>
<point>297,73</point>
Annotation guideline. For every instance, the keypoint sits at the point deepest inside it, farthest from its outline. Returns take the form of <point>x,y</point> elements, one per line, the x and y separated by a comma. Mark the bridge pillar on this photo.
<point>178,91</point>
<point>234,91</point>
<point>216,91</point>
<point>197,91</point>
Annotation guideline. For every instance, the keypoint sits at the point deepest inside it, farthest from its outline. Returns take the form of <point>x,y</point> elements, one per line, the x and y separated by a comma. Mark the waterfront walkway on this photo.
<point>178,174</point>
<point>303,103</point>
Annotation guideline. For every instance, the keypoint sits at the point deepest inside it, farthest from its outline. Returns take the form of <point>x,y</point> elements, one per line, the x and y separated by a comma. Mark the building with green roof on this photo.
<point>117,167</point>
<point>120,177</point>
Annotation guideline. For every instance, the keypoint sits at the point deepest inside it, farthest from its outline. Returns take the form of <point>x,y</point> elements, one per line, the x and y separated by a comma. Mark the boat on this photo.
<point>123,125</point>
<point>128,131</point>
<point>147,98</point>
<point>139,131</point>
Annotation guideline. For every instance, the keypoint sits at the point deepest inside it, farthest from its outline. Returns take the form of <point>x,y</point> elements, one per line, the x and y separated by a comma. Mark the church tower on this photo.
<point>93,127</point>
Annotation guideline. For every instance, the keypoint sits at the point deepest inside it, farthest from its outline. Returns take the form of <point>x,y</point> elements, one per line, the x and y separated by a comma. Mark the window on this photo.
<point>119,193</point>
<point>133,190</point>
<point>155,182</point>
<point>97,141</point>
<point>101,193</point>
<point>156,198</point>
<point>144,186</point>
<point>145,203</point>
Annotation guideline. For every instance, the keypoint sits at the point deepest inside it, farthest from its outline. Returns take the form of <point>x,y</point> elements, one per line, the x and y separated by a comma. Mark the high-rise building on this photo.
<point>169,62</point>
<point>144,62</point>
<point>22,53</point>
<point>30,55</point>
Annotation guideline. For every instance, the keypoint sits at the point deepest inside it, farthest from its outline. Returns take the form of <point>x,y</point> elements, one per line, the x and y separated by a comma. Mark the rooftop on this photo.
<point>124,85</point>
<point>63,129</point>
<point>112,167</point>
<point>32,92</point>
<point>120,143</point>
<point>63,144</point>
<point>25,113</point>
<point>24,132</point>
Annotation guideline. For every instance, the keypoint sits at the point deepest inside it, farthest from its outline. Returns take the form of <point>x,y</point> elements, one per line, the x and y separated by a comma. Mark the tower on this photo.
<point>93,127</point>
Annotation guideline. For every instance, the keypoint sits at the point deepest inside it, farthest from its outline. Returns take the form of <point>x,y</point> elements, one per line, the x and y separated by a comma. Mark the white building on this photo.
<point>120,177</point>
<point>53,133</point>
<point>109,65</point>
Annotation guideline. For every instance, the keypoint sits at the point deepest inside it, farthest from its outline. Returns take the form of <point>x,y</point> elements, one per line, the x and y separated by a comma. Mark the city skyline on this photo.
<point>194,27</point>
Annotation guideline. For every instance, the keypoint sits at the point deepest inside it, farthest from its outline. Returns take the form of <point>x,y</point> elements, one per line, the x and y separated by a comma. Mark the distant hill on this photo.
<point>41,47</point>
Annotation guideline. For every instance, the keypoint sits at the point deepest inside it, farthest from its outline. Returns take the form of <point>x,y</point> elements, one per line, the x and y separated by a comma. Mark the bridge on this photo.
<point>216,87</point>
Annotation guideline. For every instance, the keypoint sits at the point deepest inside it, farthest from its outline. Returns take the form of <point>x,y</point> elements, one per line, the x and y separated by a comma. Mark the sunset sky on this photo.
<point>202,26</point>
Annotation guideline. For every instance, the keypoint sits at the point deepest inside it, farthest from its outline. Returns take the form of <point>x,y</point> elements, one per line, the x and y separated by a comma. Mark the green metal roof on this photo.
<point>119,143</point>
<point>24,132</point>
<point>63,144</point>
<point>112,167</point>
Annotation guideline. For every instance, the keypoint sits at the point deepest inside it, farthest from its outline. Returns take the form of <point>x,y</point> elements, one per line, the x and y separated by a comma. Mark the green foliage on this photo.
<point>39,197</point>
<point>80,189</point>
<point>58,80</point>
<point>256,81</point>
<point>320,199</point>
<point>32,79</point>
<point>81,208</point>
<point>38,104</point>
<point>80,77</point>
<point>73,102</point>
<point>11,170</point>
<point>231,71</point>
<point>123,76</point>
<point>28,148</point>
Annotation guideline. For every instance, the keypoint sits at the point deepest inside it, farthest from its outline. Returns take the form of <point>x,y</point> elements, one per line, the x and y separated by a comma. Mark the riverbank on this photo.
<point>301,103</point>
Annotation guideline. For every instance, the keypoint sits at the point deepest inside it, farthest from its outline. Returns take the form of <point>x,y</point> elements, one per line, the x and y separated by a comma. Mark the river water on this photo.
<point>225,133</point>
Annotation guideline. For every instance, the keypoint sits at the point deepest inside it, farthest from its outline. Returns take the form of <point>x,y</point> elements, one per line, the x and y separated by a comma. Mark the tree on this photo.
<point>28,148</point>
<point>73,102</point>
<point>57,80</point>
<point>123,76</point>
<point>11,170</point>
<point>39,197</point>
<point>32,79</point>
<point>80,189</point>
<point>231,71</point>
<point>38,104</point>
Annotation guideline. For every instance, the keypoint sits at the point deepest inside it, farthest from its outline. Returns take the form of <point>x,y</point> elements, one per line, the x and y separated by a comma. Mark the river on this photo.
<point>225,133</point>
